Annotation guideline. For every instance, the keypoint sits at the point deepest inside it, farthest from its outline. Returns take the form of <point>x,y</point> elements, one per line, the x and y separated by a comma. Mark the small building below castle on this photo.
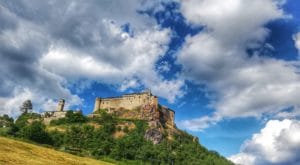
<point>48,116</point>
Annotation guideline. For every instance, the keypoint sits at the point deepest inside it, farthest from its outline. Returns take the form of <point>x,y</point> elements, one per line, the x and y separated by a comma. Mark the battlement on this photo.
<point>127,101</point>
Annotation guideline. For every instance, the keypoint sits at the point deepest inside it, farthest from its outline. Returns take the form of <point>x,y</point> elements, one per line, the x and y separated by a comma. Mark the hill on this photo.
<point>130,129</point>
<point>16,152</point>
<point>106,136</point>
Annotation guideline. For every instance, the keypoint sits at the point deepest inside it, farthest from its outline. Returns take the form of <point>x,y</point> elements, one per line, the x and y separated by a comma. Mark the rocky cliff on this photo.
<point>160,119</point>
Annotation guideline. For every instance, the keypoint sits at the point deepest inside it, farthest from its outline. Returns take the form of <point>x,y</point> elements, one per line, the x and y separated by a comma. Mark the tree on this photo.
<point>35,132</point>
<point>7,125</point>
<point>23,119</point>
<point>26,106</point>
<point>75,117</point>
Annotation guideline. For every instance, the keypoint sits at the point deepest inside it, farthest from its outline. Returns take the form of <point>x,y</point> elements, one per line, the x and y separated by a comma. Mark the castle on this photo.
<point>134,106</point>
<point>127,101</point>
<point>142,105</point>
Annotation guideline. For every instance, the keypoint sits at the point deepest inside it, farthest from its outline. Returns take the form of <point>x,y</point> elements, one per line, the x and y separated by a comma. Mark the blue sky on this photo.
<point>228,68</point>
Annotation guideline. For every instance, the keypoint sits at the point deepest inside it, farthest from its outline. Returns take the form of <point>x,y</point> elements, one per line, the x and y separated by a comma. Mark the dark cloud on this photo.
<point>8,21</point>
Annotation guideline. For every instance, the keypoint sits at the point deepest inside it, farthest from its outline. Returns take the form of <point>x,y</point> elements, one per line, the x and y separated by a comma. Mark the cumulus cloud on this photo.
<point>277,143</point>
<point>46,47</point>
<point>243,85</point>
<point>296,38</point>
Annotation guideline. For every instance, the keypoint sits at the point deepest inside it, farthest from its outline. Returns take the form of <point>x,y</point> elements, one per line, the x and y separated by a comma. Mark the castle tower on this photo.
<point>97,104</point>
<point>61,104</point>
<point>155,101</point>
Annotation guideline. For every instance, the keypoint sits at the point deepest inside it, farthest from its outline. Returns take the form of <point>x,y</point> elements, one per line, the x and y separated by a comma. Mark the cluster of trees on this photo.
<point>7,125</point>
<point>84,139</point>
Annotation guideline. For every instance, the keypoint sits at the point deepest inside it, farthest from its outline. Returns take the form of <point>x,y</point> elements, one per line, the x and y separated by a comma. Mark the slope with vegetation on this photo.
<point>109,137</point>
<point>16,152</point>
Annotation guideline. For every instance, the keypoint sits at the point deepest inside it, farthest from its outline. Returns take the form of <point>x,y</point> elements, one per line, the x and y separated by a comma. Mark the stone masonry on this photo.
<point>127,101</point>
<point>142,105</point>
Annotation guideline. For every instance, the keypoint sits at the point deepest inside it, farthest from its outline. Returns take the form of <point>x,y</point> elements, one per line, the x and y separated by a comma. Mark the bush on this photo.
<point>71,117</point>
<point>58,121</point>
<point>75,117</point>
<point>126,130</point>
<point>7,126</point>
<point>35,132</point>
<point>57,138</point>
<point>99,142</point>
<point>22,120</point>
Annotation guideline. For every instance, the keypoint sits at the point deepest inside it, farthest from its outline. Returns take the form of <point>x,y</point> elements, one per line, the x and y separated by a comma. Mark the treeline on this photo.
<point>83,139</point>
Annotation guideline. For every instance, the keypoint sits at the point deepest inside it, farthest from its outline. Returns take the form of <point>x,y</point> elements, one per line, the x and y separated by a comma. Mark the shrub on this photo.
<point>71,117</point>
<point>75,117</point>
<point>22,120</point>
<point>57,138</point>
<point>35,132</point>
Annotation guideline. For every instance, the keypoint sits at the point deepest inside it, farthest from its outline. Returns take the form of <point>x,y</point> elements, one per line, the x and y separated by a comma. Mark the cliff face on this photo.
<point>160,119</point>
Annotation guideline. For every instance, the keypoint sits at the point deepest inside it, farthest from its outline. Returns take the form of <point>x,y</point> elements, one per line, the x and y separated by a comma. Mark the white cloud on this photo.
<point>74,43</point>
<point>199,123</point>
<point>40,101</point>
<point>296,38</point>
<point>277,143</point>
<point>125,57</point>
<point>233,21</point>
<point>216,57</point>
<point>21,76</point>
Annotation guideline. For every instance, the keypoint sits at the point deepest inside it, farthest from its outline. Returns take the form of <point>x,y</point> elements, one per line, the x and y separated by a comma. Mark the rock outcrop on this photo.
<point>153,135</point>
<point>141,106</point>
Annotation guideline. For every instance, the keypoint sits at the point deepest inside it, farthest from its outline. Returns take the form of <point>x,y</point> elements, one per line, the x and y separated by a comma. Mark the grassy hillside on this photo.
<point>105,136</point>
<point>17,152</point>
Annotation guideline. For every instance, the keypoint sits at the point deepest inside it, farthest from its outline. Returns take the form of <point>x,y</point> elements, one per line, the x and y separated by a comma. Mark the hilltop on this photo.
<point>133,128</point>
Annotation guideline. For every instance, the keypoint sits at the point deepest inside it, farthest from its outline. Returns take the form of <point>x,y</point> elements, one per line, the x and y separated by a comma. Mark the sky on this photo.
<point>230,69</point>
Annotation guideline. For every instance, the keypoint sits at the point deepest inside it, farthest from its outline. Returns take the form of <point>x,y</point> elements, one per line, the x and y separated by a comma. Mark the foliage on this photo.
<point>7,119</point>
<point>60,121</point>
<point>7,126</point>
<point>35,132</point>
<point>75,117</point>
<point>71,117</point>
<point>99,142</point>
<point>26,106</point>
<point>57,138</point>
<point>107,121</point>
<point>24,119</point>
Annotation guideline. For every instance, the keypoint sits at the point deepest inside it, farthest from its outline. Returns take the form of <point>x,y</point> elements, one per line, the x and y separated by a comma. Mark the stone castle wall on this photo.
<point>128,101</point>
<point>53,115</point>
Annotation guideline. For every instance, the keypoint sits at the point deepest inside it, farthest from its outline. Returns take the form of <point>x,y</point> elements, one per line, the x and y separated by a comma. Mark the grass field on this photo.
<point>14,152</point>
